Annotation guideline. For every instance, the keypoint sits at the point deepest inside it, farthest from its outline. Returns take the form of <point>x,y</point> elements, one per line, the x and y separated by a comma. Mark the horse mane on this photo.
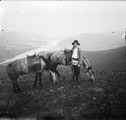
<point>49,56</point>
<point>49,65</point>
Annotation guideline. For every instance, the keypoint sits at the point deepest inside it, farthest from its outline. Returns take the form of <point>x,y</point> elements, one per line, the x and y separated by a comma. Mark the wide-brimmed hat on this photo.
<point>75,41</point>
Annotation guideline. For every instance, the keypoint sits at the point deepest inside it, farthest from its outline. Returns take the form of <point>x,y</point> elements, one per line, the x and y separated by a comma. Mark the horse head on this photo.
<point>88,68</point>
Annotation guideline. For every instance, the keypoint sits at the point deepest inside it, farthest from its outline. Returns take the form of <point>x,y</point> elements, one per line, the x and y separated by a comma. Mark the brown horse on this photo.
<point>28,65</point>
<point>63,57</point>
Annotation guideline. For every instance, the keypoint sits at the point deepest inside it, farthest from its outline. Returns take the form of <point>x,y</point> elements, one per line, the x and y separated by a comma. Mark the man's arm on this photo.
<point>69,50</point>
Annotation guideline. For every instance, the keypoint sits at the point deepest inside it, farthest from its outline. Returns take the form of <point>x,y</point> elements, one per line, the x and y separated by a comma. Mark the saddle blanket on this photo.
<point>34,63</point>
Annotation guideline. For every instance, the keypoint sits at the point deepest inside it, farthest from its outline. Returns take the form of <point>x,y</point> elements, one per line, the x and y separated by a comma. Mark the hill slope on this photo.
<point>107,59</point>
<point>91,42</point>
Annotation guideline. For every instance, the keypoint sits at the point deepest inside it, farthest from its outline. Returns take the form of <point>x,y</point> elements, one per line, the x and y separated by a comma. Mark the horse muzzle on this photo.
<point>92,78</point>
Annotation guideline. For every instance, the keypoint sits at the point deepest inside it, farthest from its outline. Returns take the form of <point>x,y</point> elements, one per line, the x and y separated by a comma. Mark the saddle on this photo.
<point>34,63</point>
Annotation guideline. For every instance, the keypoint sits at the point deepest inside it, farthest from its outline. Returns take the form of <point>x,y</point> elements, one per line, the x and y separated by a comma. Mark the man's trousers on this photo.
<point>76,72</point>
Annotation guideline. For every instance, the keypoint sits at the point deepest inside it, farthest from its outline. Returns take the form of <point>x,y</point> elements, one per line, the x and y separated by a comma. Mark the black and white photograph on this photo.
<point>62,60</point>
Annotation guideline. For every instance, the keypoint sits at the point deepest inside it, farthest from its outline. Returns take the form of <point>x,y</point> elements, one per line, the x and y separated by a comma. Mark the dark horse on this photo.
<point>63,57</point>
<point>28,65</point>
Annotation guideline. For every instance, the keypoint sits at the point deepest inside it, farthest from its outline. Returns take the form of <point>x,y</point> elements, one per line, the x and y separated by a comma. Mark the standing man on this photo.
<point>76,60</point>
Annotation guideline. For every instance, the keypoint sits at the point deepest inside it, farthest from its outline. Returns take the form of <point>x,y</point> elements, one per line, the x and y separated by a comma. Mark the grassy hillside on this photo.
<point>107,59</point>
<point>104,99</point>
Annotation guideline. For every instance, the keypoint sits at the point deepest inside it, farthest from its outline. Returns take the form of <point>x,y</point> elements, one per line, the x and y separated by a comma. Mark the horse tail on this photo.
<point>9,71</point>
<point>8,68</point>
<point>13,76</point>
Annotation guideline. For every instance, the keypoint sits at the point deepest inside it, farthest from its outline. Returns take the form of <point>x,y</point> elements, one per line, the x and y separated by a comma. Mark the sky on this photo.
<point>63,18</point>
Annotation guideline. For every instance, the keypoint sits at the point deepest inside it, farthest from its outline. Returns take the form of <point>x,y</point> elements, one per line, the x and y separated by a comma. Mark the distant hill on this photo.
<point>89,41</point>
<point>94,42</point>
<point>14,43</point>
<point>107,59</point>
<point>14,40</point>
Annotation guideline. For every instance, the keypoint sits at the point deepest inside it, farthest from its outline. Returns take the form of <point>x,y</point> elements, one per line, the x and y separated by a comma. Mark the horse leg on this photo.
<point>18,89</point>
<point>14,87</point>
<point>50,77</point>
<point>58,73</point>
<point>40,78</point>
<point>14,82</point>
<point>36,77</point>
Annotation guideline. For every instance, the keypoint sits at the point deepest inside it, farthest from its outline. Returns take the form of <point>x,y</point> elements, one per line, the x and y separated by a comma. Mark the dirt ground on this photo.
<point>104,98</point>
